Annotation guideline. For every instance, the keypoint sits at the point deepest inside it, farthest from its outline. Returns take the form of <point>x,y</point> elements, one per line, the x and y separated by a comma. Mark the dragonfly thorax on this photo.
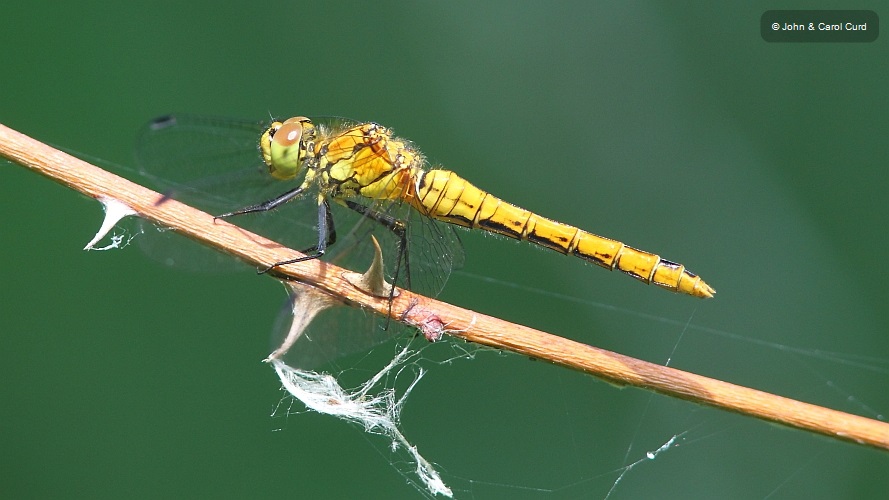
<point>284,146</point>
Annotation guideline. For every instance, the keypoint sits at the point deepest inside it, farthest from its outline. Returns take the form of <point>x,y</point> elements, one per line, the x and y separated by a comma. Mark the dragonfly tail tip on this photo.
<point>705,291</point>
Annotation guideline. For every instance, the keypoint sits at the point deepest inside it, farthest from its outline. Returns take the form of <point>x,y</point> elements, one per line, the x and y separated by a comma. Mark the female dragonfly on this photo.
<point>384,181</point>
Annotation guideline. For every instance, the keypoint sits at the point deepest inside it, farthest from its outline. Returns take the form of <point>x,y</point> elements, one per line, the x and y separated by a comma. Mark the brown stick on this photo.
<point>434,317</point>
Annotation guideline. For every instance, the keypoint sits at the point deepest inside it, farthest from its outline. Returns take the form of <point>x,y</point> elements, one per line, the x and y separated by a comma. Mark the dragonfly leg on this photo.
<point>326,232</point>
<point>398,229</point>
<point>266,205</point>
<point>326,237</point>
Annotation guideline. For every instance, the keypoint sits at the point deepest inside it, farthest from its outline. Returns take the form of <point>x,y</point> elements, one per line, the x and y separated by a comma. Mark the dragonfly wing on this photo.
<point>333,333</point>
<point>208,162</point>
<point>214,164</point>
<point>433,248</point>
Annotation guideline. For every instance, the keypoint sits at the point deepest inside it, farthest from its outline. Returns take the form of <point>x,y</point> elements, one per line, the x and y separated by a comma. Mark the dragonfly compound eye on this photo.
<point>265,142</point>
<point>284,153</point>
<point>288,134</point>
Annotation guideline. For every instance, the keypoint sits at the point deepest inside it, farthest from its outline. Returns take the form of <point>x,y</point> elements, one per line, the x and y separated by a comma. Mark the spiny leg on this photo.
<point>266,205</point>
<point>326,238</point>
<point>326,230</point>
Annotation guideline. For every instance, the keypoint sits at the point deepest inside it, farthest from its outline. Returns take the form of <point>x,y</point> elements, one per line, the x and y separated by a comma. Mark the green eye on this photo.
<point>284,151</point>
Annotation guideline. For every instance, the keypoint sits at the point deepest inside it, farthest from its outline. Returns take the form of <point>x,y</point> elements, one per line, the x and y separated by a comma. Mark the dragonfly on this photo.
<point>365,165</point>
<point>383,182</point>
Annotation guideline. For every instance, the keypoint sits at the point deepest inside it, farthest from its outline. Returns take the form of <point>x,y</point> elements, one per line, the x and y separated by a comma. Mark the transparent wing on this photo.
<point>214,164</point>
<point>331,334</point>
<point>207,162</point>
<point>433,249</point>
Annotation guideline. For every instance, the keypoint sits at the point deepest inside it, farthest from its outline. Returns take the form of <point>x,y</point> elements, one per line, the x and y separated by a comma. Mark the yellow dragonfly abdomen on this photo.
<point>445,196</point>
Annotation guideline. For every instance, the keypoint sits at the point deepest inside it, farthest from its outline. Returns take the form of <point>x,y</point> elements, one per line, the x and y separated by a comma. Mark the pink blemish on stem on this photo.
<point>432,327</point>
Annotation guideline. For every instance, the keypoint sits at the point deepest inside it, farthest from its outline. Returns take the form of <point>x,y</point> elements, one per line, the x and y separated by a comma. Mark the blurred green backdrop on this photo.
<point>673,128</point>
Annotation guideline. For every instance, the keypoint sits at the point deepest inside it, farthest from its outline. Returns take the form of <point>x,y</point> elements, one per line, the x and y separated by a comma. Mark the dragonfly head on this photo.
<point>284,146</point>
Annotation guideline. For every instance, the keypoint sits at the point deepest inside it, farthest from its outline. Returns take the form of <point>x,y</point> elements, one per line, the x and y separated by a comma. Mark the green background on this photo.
<point>673,128</point>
